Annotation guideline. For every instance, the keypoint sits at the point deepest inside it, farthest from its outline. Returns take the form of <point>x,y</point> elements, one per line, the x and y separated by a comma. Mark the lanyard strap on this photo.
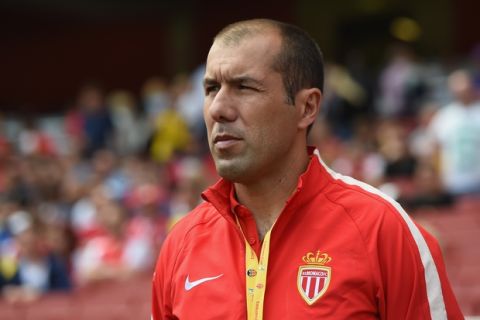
<point>256,276</point>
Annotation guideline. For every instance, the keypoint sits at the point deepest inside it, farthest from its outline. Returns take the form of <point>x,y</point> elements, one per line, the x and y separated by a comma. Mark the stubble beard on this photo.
<point>234,169</point>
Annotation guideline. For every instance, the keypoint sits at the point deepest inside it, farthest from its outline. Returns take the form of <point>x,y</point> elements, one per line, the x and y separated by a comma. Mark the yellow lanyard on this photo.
<point>256,276</point>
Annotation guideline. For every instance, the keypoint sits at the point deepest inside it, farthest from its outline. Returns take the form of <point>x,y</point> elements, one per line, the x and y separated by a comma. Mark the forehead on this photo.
<point>251,55</point>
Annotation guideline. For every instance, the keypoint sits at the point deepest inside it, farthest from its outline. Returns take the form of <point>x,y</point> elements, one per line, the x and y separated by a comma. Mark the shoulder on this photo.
<point>361,202</point>
<point>442,114</point>
<point>357,197</point>
<point>200,222</point>
<point>384,225</point>
<point>201,219</point>
<point>374,213</point>
<point>446,113</point>
<point>204,214</point>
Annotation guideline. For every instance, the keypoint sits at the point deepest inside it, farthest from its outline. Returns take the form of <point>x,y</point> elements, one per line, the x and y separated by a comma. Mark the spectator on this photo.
<point>344,100</point>
<point>35,269</point>
<point>149,217</point>
<point>426,190</point>
<point>32,141</point>
<point>130,130</point>
<point>393,145</point>
<point>155,96</point>
<point>97,122</point>
<point>401,87</point>
<point>114,253</point>
<point>421,143</point>
<point>456,130</point>
<point>170,135</point>
<point>190,104</point>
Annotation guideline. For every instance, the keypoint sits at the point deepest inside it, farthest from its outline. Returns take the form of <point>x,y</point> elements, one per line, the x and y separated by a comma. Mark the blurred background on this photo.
<point>103,147</point>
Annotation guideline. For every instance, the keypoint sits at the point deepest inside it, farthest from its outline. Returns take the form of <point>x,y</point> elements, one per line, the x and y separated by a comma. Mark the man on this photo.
<point>280,236</point>
<point>456,132</point>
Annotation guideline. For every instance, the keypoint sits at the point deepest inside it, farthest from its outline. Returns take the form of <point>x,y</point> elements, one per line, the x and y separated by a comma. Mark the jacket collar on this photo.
<point>310,183</point>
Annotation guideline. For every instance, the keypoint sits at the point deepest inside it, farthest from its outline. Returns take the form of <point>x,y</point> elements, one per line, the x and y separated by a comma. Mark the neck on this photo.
<point>266,197</point>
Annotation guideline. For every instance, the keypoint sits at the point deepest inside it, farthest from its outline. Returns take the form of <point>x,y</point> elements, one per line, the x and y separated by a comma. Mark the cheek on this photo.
<point>270,132</point>
<point>282,130</point>
<point>278,119</point>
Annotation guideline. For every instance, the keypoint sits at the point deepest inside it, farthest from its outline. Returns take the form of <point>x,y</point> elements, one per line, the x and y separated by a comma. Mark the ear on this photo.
<point>308,104</point>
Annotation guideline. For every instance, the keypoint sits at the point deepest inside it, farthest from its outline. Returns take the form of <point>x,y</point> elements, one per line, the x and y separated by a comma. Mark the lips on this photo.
<point>224,137</point>
<point>223,140</point>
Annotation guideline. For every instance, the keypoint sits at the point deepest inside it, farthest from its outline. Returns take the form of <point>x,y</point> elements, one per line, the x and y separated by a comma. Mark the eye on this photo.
<point>243,87</point>
<point>211,88</point>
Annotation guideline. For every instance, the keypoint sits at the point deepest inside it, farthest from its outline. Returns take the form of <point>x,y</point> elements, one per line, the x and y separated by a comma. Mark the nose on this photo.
<point>221,107</point>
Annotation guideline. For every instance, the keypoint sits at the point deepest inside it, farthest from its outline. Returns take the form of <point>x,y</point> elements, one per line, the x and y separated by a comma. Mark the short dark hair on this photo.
<point>299,61</point>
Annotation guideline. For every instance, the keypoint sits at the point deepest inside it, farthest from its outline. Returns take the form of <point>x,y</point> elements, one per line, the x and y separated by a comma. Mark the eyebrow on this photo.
<point>234,80</point>
<point>209,81</point>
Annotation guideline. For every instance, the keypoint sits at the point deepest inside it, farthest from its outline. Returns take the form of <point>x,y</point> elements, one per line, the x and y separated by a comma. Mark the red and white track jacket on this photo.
<point>339,250</point>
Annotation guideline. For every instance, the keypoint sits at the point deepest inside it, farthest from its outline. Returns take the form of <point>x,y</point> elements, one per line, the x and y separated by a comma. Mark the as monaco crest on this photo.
<point>313,279</point>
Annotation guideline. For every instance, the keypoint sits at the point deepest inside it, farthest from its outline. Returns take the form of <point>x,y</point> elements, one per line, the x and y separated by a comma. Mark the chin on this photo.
<point>230,170</point>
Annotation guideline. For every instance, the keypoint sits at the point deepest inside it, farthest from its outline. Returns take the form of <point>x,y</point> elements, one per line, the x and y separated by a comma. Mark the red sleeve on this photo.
<point>451,304</point>
<point>161,284</point>
<point>413,280</point>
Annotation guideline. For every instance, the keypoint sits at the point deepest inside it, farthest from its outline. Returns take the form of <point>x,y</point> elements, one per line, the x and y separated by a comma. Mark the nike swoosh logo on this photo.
<point>190,285</point>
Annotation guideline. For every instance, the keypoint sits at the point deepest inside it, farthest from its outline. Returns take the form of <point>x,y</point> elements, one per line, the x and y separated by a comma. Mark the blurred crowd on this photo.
<point>89,195</point>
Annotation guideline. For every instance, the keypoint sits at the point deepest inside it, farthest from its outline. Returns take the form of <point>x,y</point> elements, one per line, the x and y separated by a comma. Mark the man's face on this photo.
<point>249,123</point>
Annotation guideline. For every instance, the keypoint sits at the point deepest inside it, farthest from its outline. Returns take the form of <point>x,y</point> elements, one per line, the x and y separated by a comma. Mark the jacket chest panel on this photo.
<point>320,267</point>
<point>206,280</point>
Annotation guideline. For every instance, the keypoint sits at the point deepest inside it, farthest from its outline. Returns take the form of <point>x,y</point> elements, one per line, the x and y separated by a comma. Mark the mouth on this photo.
<point>224,141</point>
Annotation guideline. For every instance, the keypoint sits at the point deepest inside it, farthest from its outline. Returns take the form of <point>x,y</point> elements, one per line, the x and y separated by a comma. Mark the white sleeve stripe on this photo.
<point>432,279</point>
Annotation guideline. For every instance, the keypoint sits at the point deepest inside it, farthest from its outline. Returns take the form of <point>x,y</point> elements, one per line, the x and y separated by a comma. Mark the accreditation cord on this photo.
<point>256,275</point>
